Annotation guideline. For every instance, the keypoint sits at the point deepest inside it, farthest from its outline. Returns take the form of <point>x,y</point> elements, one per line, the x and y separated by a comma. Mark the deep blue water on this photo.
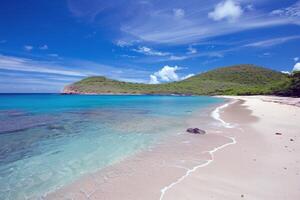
<point>49,140</point>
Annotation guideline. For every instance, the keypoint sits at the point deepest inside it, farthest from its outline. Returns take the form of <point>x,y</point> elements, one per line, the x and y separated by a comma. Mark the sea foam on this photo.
<point>216,115</point>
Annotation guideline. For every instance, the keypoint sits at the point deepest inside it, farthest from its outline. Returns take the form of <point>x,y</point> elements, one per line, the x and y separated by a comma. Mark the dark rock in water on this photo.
<point>195,131</point>
<point>278,133</point>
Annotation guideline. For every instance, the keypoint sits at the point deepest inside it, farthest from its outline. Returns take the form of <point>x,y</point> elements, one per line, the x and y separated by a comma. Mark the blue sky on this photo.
<point>45,45</point>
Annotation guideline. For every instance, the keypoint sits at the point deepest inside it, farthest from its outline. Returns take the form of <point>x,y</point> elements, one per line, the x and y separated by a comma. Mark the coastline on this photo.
<point>215,114</point>
<point>174,157</point>
<point>264,164</point>
<point>183,167</point>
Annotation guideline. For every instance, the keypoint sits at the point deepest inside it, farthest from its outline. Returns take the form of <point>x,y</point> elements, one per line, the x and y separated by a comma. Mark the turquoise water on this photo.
<point>49,140</point>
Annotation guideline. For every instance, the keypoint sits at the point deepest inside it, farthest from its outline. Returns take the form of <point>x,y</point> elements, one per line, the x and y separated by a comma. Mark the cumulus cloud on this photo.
<point>297,67</point>
<point>153,79</point>
<point>28,47</point>
<point>151,52</point>
<point>296,59</point>
<point>167,74</point>
<point>228,9</point>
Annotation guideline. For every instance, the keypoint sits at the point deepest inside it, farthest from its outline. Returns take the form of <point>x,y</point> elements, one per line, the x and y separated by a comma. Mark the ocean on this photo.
<point>50,140</point>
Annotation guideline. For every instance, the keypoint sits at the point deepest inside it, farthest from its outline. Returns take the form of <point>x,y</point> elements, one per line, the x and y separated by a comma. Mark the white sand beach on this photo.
<point>261,165</point>
<point>252,152</point>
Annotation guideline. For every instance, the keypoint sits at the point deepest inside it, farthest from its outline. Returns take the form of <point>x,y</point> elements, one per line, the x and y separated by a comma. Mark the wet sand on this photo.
<point>239,157</point>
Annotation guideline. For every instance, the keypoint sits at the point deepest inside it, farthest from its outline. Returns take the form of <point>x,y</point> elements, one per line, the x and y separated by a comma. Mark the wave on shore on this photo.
<point>216,115</point>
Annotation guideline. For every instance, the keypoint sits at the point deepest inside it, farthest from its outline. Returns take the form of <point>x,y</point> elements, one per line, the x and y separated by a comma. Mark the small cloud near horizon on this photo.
<point>167,74</point>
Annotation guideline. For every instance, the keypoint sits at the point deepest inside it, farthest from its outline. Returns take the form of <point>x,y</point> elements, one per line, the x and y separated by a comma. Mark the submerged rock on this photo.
<point>195,131</point>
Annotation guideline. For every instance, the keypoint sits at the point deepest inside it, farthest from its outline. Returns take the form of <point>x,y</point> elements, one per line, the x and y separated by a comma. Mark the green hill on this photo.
<point>233,80</point>
<point>290,87</point>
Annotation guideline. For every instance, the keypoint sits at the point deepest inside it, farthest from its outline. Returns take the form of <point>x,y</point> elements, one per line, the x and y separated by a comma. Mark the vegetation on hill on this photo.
<point>233,80</point>
<point>290,87</point>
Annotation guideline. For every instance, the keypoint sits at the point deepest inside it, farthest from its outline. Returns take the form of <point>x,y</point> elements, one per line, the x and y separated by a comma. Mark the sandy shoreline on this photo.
<point>258,163</point>
<point>262,165</point>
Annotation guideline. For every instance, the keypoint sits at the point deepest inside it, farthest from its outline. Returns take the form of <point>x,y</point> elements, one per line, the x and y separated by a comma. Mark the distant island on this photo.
<point>233,80</point>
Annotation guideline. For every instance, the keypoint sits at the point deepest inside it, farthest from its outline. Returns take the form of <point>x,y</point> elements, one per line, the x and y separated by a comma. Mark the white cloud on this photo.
<point>178,12</point>
<point>291,11</point>
<point>156,21</point>
<point>43,72</point>
<point>151,52</point>
<point>297,67</point>
<point>285,72</point>
<point>28,47</point>
<point>296,59</point>
<point>191,50</point>
<point>228,9</point>
<point>153,79</point>
<point>187,76</point>
<point>29,65</point>
<point>167,74</point>
<point>74,68</point>
<point>43,47</point>
<point>273,42</point>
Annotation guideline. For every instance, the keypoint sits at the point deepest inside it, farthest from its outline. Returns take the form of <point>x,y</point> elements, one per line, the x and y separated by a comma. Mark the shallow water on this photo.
<point>47,141</point>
